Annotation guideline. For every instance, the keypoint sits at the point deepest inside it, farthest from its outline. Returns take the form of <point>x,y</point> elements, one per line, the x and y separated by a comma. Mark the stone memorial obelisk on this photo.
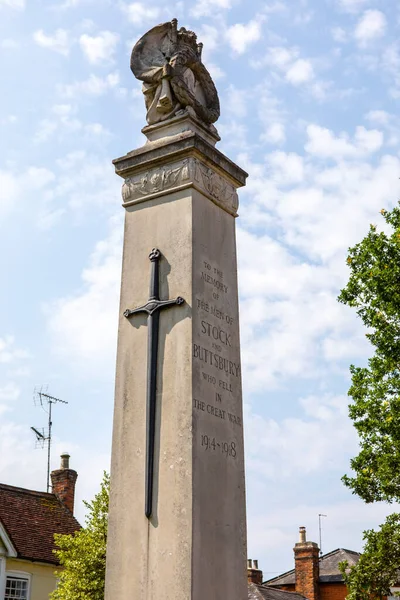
<point>177,521</point>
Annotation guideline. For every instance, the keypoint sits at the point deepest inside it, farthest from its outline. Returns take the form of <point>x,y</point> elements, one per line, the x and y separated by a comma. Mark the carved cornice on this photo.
<point>189,172</point>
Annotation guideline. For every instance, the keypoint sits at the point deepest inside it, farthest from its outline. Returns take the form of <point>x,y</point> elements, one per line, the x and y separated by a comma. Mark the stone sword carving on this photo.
<point>152,308</point>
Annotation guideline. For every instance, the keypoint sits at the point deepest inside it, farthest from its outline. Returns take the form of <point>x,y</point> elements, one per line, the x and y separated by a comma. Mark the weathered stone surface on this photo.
<point>189,172</point>
<point>174,78</point>
<point>176,162</point>
<point>180,196</point>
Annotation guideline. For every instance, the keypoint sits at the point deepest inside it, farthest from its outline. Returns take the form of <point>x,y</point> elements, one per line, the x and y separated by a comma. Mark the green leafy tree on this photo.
<point>373,290</point>
<point>377,569</point>
<point>83,554</point>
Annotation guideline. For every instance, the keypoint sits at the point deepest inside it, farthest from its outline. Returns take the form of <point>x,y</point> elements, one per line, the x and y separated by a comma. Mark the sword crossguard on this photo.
<point>152,306</point>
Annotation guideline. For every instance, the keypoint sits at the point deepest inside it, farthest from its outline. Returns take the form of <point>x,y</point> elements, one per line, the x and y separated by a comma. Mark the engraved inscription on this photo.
<point>213,348</point>
<point>214,282</point>
<point>216,360</point>
<point>212,443</point>
<point>217,333</point>
<point>217,412</point>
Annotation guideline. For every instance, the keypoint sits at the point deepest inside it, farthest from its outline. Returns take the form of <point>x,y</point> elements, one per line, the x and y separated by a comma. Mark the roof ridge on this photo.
<point>280,591</point>
<point>5,486</point>
<point>338,550</point>
<point>279,576</point>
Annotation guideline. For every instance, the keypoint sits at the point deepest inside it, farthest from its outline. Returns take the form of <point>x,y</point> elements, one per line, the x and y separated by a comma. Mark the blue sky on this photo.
<point>309,96</point>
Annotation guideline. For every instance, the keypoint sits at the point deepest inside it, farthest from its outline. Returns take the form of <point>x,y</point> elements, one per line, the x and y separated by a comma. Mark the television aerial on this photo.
<point>43,399</point>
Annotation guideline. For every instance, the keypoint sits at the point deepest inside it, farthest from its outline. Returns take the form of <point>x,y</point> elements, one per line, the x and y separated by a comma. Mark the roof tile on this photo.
<point>328,568</point>
<point>31,519</point>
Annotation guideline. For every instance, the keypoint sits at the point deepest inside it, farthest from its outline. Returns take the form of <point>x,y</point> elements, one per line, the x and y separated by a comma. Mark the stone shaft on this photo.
<point>180,196</point>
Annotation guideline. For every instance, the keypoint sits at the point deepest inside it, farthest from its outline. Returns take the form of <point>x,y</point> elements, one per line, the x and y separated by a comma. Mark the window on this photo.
<point>16,588</point>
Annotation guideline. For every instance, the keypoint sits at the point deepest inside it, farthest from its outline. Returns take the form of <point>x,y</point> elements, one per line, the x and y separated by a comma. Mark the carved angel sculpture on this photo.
<point>168,62</point>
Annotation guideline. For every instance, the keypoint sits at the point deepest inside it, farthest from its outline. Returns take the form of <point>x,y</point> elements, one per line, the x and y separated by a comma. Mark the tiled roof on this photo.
<point>31,519</point>
<point>261,592</point>
<point>328,568</point>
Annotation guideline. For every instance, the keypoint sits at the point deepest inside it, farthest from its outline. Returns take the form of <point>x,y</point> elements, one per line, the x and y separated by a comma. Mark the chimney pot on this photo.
<point>65,460</point>
<point>254,574</point>
<point>302,535</point>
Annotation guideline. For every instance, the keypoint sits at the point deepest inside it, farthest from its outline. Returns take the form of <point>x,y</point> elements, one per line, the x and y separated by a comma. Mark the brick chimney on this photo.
<point>306,561</point>
<point>254,574</point>
<point>63,482</point>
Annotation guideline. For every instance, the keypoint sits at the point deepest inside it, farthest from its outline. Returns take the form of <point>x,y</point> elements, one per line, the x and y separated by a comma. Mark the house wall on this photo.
<point>327,591</point>
<point>43,580</point>
<point>332,591</point>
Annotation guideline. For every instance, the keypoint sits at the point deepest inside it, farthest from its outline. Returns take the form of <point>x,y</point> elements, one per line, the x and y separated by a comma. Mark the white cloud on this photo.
<point>237,101</point>
<point>64,122</point>
<point>352,6</point>
<point>16,188</point>
<point>339,35</point>
<point>84,325</point>
<point>93,86</point>
<point>271,116</point>
<point>210,36</point>
<point>371,26</point>
<point>296,70</point>
<point>206,8</point>
<point>286,167</point>
<point>99,48</point>
<point>280,57</point>
<point>299,72</point>
<point>16,4</point>
<point>9,392</point>
<point>9,188</point>
<point>274,133</point>
<point>68,4</point>
<point>381,117</point>
<point>63,110</point>
<point>323,143</point>
<point>74,183</point>
<point>9,353</point>
<point>322,436</point>
<point>303,216</point>
<point>390,122</point>
<point>215,71</point>
<point>272,533</point>
<point>45,130</point>
<point>240,36</point>
<point>59,42</point>
<point>139,13</point>
<point>391,64</point>
<point>9,44</point>
<point>64,126</point>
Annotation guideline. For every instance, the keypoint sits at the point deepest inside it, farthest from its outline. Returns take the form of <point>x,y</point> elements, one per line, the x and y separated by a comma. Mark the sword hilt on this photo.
<point>154,292</point>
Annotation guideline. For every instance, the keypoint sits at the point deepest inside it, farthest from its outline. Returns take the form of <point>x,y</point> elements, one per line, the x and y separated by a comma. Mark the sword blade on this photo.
<point>151,402</point>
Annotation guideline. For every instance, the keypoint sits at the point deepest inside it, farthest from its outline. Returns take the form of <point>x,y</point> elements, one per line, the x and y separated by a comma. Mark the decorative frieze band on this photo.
<point>180,175</point>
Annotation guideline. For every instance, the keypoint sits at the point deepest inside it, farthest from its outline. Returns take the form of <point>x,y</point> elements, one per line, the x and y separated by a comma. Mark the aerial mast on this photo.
<point>42,398</point>
<point>320,532</point>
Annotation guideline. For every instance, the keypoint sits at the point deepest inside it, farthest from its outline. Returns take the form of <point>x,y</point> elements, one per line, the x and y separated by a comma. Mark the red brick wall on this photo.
<point>332,591</point>
<point>327,591</point>
<point>306,560</point>
<point>63,483</point>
